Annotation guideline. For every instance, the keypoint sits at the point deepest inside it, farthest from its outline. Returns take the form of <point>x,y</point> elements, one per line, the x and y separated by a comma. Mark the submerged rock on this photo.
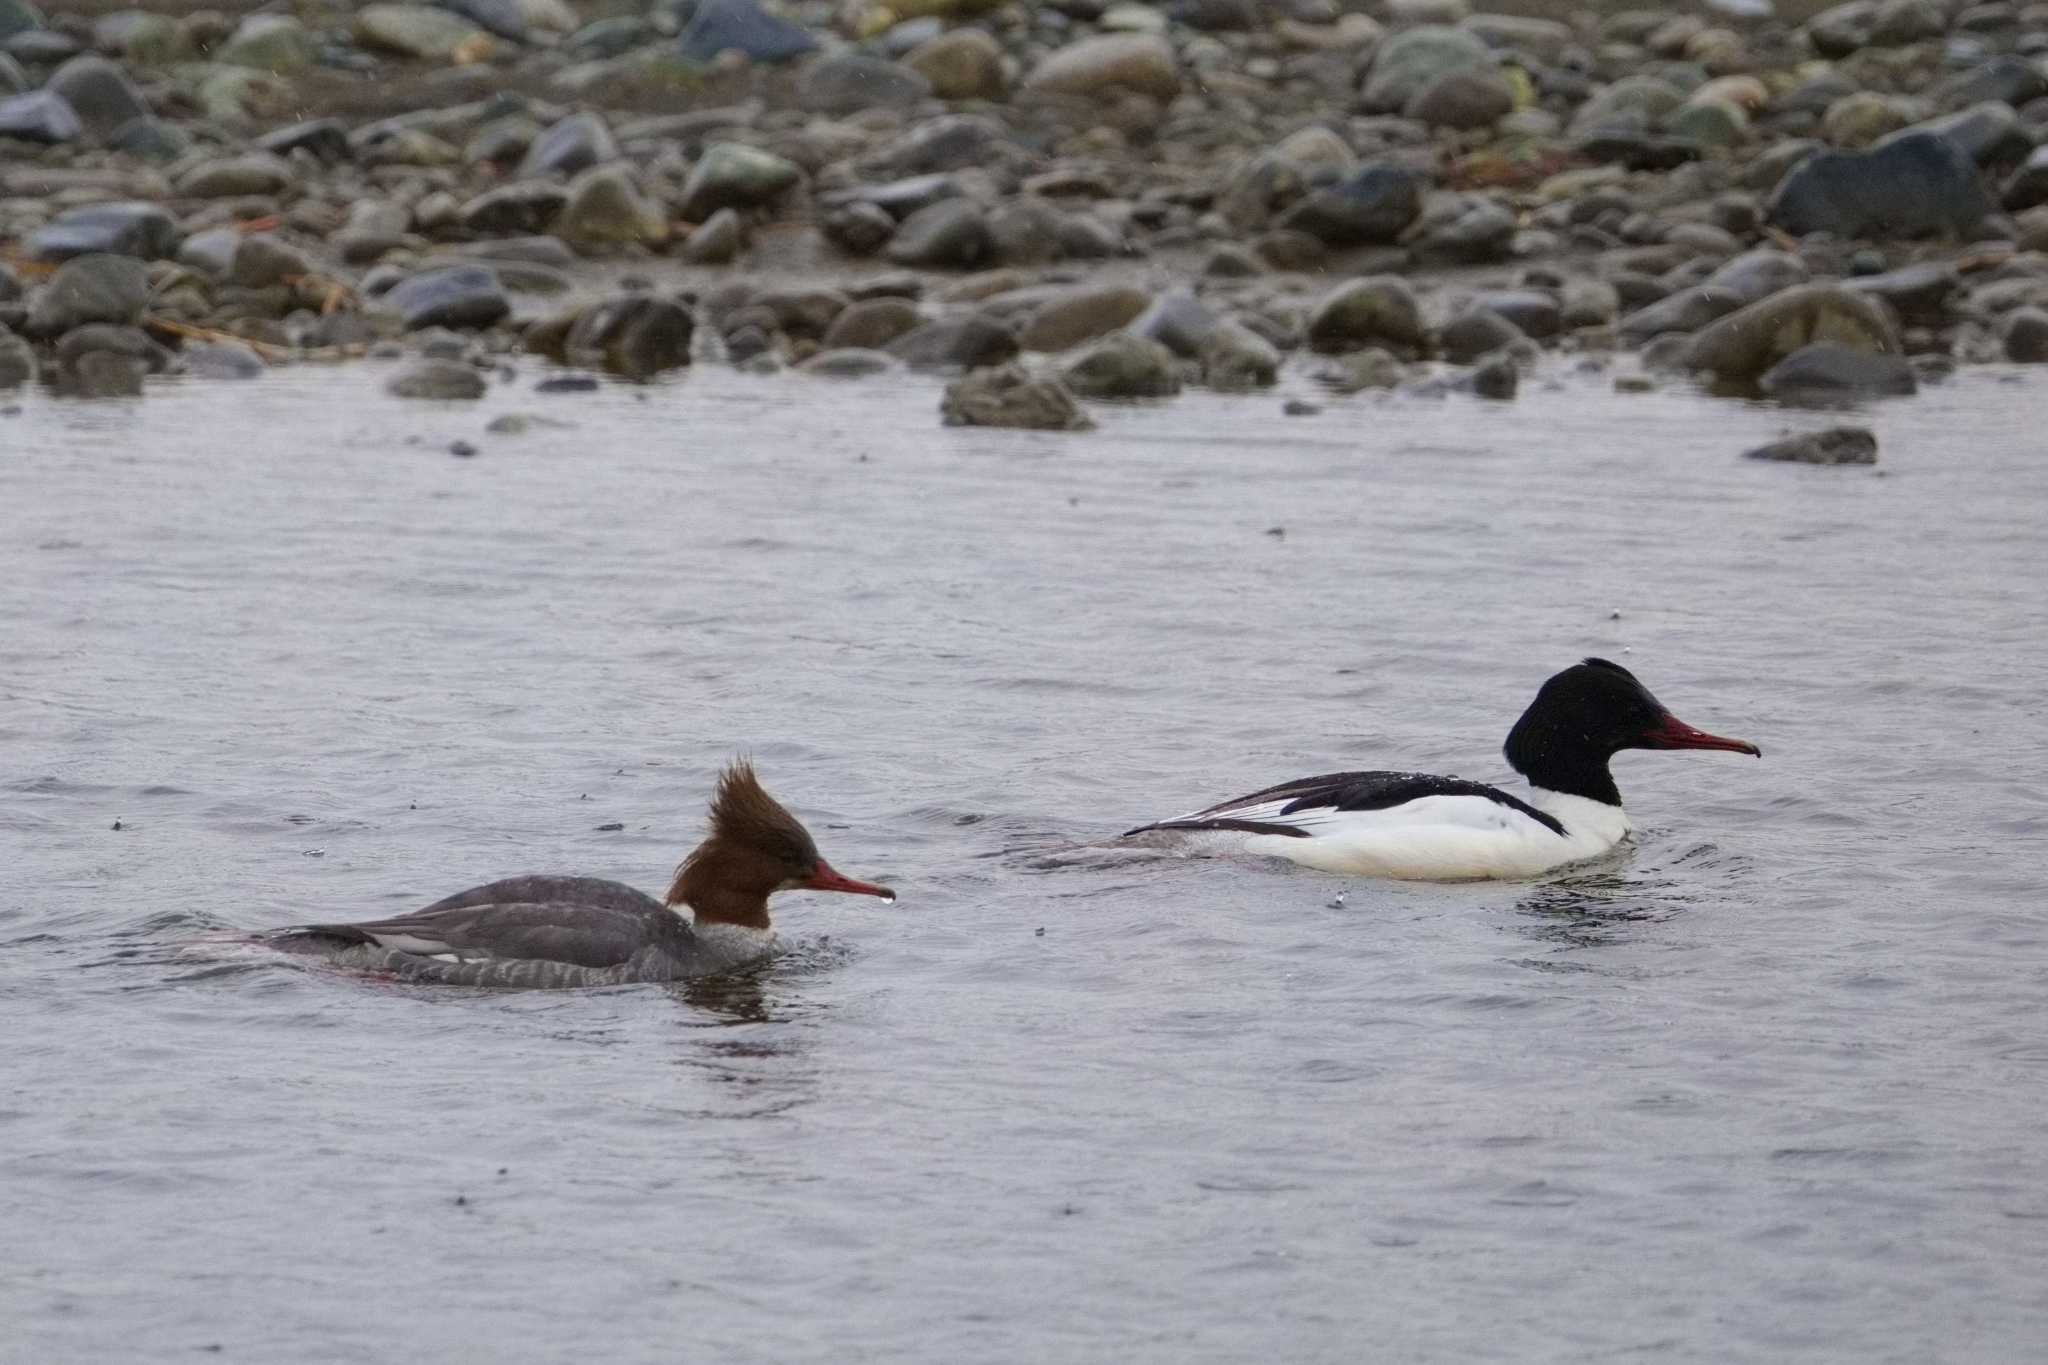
<point>1010,396</point>
<point>1825,373</point>
<point>1837,445</point>
<point>2025,335</point>
<point>442,380</point>
<point>17,361</point>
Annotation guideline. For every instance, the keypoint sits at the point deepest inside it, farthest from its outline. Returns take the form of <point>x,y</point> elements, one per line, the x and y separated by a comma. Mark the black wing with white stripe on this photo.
<point>1296,808</point>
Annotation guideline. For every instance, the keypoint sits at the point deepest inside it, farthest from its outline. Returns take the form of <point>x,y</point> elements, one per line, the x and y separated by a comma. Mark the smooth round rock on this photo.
<point>462,296</point>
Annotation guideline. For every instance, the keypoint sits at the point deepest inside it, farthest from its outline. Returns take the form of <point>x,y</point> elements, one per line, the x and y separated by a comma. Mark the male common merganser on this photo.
<point>1422,827</point>
<point>584,931</point>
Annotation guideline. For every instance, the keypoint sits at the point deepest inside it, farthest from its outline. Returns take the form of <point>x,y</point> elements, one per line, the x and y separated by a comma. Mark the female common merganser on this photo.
<point>583,931</point>
<point>1427,828</point>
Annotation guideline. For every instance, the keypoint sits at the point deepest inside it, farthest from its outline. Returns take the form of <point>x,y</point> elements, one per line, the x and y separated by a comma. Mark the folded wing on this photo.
<point>1311,805</point>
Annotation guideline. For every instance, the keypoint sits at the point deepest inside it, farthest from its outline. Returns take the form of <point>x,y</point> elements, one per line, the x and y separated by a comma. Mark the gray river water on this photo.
<point>1768,1087</point>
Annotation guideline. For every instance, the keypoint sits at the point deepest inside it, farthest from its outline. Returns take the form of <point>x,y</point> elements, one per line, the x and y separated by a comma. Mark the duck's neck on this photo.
<point>720,889</point>
<point>1549,758</point>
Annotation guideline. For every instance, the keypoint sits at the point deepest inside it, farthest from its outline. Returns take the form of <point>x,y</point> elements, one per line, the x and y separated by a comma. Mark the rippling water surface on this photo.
<point>1768,1087</point>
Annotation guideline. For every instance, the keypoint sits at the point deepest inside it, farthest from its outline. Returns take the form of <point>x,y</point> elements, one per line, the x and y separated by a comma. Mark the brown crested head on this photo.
<point>755,847</point>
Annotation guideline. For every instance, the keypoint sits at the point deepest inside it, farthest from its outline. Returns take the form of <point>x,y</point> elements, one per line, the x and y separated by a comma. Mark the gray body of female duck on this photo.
<point>553,932</point>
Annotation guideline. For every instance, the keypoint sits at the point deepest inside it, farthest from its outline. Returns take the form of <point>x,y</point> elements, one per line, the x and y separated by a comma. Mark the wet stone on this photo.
<point>99,92</point>
<point>952,234</point>
<point>416,31</point>
<point>325,138</point>
<point>636,336</point>
<point>717,240</point>
<point>1914,185</point>
<point>572,144</point>
<point>1377,204</point>
<point>859,229</point>
<point>2025,336</point>
<point>1178,321</point>
<point>17,361</point>
<point>150,138</point>
<point>850,363</point>
<point>1124,366</point>
<point>269,42</point>
<point>440,380</point>
<point>733,175</point>
<point>262,260</point>
<point>39,116</point>
<point>1825,373</point>
<point>1475,333</point>
<point>871,324</point>
<point>1236,359</point>
<point>103,374</point>
<point>1010,396</point>
<point>849,82</point>
<point>1379,309</point>
<point>88,289</point>
<point>523,208</point>
<point>258,173</point>
<point>964,342</point>
<point>741,26</point>
<point>131,228</point>
<point>221,360</point>
<point>451,296</point>
<point>1837,445</point>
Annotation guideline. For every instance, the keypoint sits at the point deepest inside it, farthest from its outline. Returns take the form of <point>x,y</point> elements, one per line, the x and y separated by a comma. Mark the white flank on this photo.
<point>1432,838</point>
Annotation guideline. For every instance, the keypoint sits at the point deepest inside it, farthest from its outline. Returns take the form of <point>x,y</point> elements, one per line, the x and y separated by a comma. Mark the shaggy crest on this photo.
<point>744,815</point>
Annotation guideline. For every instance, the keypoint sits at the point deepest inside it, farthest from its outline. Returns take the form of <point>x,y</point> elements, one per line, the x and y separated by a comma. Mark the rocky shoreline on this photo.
<point>1051,204</point>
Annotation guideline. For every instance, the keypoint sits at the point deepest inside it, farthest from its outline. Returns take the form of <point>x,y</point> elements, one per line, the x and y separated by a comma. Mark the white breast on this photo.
<point>726,946</point>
